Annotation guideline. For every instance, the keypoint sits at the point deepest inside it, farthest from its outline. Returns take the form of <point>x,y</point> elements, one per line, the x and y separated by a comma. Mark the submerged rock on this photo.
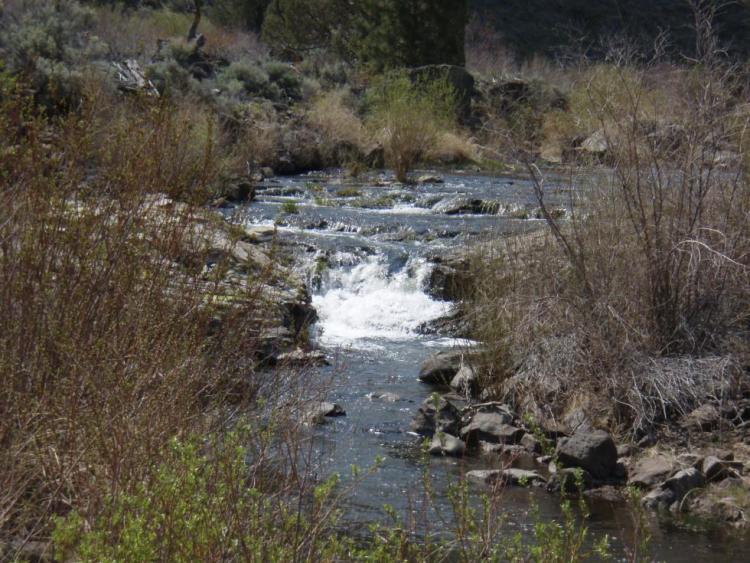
<point>385,397</point>
<point>512,476</point>
<point>429,179</point>
<point>319,412</point>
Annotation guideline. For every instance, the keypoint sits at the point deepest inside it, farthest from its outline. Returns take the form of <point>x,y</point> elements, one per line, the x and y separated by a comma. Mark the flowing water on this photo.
<point>367,257</point>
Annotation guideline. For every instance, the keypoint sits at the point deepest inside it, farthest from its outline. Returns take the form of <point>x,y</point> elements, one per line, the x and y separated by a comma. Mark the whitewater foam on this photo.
<point>363,305</point>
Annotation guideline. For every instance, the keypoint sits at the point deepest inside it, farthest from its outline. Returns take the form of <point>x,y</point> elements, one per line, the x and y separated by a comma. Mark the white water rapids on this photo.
<point>363,304</point>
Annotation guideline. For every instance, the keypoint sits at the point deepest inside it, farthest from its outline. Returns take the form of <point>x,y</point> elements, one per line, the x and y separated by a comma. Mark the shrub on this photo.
<point>408,117</point>
<point>642,297</point>
<point>49,43</point>
<point>252,78</point>
<point>333,115</point>
<point>289,208</point>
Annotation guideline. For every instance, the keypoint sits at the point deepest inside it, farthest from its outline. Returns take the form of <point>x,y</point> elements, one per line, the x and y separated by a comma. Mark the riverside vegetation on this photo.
<point>155,359</point>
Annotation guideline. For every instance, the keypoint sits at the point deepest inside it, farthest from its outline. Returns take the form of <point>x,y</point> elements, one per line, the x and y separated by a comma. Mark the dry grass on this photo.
<point>649,266</point>
<point>332,114</point>
<point>453,148</point>
<point>104,297</point>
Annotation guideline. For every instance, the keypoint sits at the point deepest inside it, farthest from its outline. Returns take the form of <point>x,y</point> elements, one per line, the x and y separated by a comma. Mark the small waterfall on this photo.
<point>362,305</point>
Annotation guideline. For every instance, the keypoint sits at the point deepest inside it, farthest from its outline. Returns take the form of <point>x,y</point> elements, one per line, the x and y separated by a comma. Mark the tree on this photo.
<point>246,13</point>
<point>408,33</point>
<point>379,33</point>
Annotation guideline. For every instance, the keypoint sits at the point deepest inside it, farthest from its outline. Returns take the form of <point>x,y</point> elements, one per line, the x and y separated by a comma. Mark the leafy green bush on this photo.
<point>197,507</point>
<point>49,43</point>
<point>408,116</point>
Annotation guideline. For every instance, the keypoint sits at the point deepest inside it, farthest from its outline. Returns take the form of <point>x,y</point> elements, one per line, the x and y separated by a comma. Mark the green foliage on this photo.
<point>295,28</point>
<point>239,13</point>
<point>289,208</point>
<point>410,33</point>
<point>49,43</point>
<point>194,508</point>
<point>408,116</point>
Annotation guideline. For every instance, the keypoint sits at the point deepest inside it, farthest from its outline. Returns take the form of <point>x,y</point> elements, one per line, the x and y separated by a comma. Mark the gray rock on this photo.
<point>674,489</point>
<point>449,281</point>
<point>483,476</point>
<point>715,469</point>
<point>570,480</point>
<point>445,444</point>
<point>531,444</point>
<point>651,471</point>
<point>441,417</point>
<point>429,179</point>
<point>626,450</point>
<point>491,427</point>
<point>593,451</point>
<point>441,368</point>
<point>385,397</point>
<point>465,381</point>
<point>319,412</point>
<point>466,206</point>
<point>300,357</point>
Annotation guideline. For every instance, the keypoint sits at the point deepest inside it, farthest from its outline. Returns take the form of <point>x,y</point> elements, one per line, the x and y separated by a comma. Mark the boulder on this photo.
<point>651,471</point>
<point>674,489</point>
<point>466,206</point>
<point>492,427</point>
<point>441,417</point>
<point>449,281</point>
<point>593,451</point>
<point>441,368</point>
<point>447,445</point>
<point>720,509</point>
<point>466,381</point>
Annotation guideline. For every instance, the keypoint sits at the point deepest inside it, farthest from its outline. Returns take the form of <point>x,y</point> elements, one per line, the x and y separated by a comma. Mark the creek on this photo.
<point>366,248</point>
